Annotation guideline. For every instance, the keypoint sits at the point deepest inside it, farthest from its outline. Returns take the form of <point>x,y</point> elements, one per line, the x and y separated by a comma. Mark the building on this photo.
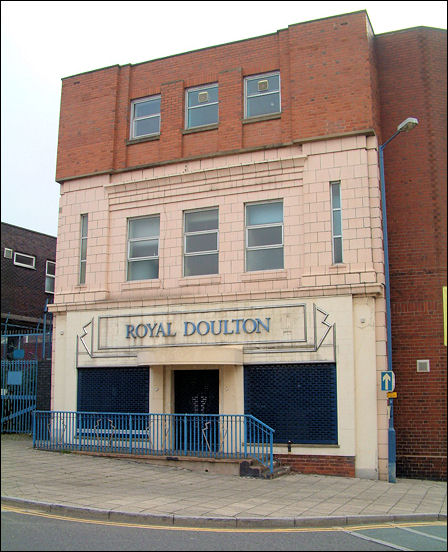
<point>220,237</point>
<point>28,276</point>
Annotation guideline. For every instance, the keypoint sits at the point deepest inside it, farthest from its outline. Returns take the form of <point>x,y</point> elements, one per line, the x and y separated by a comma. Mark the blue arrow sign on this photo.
<point>387,381</point>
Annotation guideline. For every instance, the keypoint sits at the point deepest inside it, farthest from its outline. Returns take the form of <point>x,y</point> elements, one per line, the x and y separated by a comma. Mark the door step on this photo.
<point>252,468</point>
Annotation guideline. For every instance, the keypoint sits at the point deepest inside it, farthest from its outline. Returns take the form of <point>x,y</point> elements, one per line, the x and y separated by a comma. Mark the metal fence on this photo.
<point>18,393</point>
<point>200,435</point>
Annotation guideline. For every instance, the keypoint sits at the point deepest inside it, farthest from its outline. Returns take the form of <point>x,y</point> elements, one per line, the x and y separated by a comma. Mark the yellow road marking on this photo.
<point>224,529</point>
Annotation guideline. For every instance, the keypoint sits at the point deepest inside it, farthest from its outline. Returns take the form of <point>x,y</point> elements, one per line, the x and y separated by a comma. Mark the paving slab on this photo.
<point>128,491</point>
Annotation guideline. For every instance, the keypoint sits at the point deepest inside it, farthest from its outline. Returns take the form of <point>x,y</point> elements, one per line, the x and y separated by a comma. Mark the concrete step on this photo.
<point>252,468</point>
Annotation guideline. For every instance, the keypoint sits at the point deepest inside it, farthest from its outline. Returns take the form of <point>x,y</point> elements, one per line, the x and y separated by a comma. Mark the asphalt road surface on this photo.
<point>21,530</point>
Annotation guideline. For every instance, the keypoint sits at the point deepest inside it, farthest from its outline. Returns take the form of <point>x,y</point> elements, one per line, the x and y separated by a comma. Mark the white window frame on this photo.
<point>132,134</point>
<point>201,232</point>
<point>259,78</point>
<point>268,225</point>
<point>31,265</point>
<point>49,276</point>
<point>187,108</point>
<point>333,235</point>
<point>82,240</point>
<point>144,238</point>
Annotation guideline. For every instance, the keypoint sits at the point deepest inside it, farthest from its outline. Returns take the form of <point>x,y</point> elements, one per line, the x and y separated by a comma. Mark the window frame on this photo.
<point>132,135</point>
<point>82,240</point>
<point>260,77</point>
<point>24,265</point>
<point>49,277</point>
<point>188,108</point>
<point>248,227</point>
<point>334,236</point>
<point>130,241</point>
<point>197,233</point>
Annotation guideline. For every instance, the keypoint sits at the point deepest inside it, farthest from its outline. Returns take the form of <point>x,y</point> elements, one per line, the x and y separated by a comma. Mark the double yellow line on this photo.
<point>223,530</point>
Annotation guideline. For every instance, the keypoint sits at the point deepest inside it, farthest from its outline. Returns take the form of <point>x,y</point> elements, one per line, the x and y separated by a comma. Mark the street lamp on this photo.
<point>404,126</point>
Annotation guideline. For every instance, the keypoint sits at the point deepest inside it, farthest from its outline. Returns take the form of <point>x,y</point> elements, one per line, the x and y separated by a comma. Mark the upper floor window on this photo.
<point>50,276</point>
<point>202,106</point>
<point>201,242</point>
<point>83,250</point>
<point>145,117</point>
<point>27,261</point>
<point>262,95</point>
<point>143,248</point>
<point>336,221</point>
<point>264,236</point>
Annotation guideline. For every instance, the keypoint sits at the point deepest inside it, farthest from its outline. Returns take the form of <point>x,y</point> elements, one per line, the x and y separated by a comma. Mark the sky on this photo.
<point>43,42</point>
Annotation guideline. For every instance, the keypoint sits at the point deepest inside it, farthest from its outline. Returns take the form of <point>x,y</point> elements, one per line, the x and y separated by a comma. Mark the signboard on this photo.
<point>387,381</point>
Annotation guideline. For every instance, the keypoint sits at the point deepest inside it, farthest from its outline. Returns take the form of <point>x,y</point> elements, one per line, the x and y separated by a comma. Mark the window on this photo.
<point>262,95</point>
<point>264,236</point>
<point>83,250</point>
<point>145,117</point>
<point>27,261</point>
<point>336,221</point>
<point>201,242</point>
<point>143,248</point>
<point>202,106</point>
<point>49,276</point>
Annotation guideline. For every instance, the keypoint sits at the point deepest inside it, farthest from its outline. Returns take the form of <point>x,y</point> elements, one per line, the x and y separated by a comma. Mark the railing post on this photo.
<point>271,451</point>
<point>185,435</point>
<point>130,433</point>
<point>245,436</point>
<point>34,428</point>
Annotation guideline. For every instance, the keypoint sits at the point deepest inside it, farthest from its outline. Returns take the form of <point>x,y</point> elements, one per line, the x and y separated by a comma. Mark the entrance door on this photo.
<point>197,394</point>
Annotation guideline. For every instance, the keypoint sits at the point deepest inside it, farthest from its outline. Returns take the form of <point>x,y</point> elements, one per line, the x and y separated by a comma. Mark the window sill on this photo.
<point>260,275</point>
<point>140,284</point>
<point>200,280</point>
<point>200,128</point>
<point>261,118</point>
<point>132,141</point>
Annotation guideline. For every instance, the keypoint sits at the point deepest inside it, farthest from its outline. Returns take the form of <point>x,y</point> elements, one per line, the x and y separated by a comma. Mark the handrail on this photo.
<point>200,435</point>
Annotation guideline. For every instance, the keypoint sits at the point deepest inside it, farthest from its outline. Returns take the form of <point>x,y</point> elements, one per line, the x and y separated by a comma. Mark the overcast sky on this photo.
<point>42,42</point>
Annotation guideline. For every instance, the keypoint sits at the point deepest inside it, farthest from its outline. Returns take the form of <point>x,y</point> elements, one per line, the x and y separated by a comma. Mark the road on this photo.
<point>22,530</point>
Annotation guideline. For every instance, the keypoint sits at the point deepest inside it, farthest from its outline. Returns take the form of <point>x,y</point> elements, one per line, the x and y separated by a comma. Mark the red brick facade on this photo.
<point>328,86</point>
<point>412,76</point>
<point>342,466</point>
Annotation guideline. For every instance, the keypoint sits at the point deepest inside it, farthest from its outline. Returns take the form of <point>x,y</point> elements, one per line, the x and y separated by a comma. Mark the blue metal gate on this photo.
<point>18,391</point>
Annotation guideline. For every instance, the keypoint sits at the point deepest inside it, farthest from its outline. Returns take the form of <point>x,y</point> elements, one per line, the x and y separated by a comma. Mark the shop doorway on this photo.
<point>196,394</point>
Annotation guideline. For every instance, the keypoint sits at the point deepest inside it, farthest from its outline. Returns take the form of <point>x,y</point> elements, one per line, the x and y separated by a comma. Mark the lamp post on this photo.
<point>404,126</point>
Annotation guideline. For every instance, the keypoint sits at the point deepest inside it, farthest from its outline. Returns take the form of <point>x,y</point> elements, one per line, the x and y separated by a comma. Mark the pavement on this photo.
<point>128,491</point>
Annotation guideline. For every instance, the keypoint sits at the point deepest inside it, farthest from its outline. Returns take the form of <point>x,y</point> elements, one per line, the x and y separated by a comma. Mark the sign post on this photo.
<point>388,384</point>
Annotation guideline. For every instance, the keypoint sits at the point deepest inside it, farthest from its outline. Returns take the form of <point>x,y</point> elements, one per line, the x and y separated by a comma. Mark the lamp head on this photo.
<point>407,124</point>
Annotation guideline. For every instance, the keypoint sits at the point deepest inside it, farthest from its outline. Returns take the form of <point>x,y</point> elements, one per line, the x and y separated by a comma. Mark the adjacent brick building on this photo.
<point>220,215</point>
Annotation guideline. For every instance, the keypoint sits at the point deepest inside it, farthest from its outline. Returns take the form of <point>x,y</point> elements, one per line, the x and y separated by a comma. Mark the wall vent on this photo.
<point>203,97</point>
<point>422,365</point>
<point>7,253</point>
<point>263,85</point>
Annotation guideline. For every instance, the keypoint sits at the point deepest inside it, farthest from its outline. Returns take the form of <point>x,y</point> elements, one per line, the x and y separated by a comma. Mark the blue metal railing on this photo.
<point>200,435</point>
<point>18,395</point>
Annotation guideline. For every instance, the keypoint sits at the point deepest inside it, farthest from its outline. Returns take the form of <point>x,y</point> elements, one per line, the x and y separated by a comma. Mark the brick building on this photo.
<point>28,275</point>
<point>220,236</point>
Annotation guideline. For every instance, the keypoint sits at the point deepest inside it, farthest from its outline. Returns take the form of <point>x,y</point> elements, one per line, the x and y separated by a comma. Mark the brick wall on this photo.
<point>327,87</point>
<point>343,466</point>
<point>43,390</point>
<point>23,289</point>
<point>412,76</point>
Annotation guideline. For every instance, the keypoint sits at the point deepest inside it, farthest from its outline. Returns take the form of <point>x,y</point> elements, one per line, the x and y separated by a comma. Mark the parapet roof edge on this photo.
<point>216,45</point>
<point>29,230</point>
<point>419,27</point>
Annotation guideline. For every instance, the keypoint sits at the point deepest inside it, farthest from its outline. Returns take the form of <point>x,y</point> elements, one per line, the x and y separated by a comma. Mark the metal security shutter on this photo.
<point>113,389</point>
<point>299,401</point>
